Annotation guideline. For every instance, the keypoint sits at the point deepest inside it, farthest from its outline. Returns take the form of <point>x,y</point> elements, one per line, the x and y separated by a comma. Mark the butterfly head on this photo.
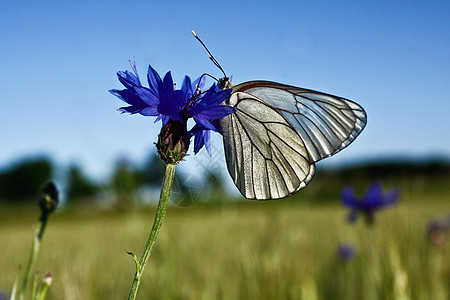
<point>225,83</point>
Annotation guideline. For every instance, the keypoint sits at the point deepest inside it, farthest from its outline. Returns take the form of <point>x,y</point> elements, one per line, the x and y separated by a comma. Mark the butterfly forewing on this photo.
<point>325,122</point>
<point>266,157</point>
<point>278,132</point>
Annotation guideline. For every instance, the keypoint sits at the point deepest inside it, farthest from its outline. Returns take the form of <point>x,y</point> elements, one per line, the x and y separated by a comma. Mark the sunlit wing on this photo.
<point>278,132</point>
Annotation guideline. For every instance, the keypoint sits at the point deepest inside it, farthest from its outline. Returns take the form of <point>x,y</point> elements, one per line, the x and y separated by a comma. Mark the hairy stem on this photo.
<point>160,213</point>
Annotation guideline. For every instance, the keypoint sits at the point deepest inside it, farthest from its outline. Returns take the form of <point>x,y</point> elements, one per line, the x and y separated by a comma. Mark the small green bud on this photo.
<point>173,142</point>
<point>48,198</point>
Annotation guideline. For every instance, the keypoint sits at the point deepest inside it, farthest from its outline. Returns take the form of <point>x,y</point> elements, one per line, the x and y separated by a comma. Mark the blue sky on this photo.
<point>60,58</point>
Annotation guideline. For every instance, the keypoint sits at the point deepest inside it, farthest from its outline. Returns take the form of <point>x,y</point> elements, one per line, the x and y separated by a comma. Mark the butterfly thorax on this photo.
<point>225,83</point>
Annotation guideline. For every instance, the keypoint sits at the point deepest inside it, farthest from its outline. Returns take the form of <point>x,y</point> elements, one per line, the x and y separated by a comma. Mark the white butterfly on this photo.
<point>279,131</point>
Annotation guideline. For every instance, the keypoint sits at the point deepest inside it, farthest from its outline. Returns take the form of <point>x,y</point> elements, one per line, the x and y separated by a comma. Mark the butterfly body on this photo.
<point>278,132</point>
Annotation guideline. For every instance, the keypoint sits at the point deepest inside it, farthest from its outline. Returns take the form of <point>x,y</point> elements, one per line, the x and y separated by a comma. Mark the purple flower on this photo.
<point>346,252</point>
<point>374,200</point>
<point>160,99</point>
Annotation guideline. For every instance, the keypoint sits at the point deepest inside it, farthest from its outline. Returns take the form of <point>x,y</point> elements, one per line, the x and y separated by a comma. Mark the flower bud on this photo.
<point>48,198</point>
<point>173,142</point>
<point>48,279</point>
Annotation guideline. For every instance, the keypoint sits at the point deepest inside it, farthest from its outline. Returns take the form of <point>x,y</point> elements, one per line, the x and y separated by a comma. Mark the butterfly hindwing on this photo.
<point>278,132</point>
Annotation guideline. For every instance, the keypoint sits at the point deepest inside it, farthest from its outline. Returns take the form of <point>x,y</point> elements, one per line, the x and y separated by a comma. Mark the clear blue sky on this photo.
<point>59,59</point>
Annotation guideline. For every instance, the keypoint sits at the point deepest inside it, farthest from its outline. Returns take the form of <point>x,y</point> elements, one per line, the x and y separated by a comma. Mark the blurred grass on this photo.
<point>250,250</point>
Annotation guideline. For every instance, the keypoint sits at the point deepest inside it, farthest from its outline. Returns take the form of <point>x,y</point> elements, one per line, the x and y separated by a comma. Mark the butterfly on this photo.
<point>278,132</point>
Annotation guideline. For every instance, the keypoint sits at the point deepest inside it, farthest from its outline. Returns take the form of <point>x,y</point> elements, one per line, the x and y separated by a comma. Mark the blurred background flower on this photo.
<point>438,230</point>
<point>346,252</point>
<point>3,295</point>
<point>373,201</point>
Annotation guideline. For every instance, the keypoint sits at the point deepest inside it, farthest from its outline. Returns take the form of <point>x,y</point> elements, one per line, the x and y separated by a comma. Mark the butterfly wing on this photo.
<point>278,132</point>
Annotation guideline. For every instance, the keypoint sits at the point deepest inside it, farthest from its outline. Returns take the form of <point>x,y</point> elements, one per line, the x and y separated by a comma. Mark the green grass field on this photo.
<point>266,250</point>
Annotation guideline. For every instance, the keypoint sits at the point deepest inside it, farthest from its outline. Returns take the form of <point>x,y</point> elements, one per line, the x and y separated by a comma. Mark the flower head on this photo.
<point>374,200</point>
<point>346,252</point>
<point>160,99</point>
<point>48,199</point>
<point>173,142</point>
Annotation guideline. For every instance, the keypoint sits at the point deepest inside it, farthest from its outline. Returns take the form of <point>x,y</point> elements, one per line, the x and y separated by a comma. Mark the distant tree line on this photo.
<point>21,181</point>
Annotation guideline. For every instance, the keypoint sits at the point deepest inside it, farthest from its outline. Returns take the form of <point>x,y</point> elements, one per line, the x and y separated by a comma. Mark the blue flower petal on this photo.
<point>149,111</point>
<point>209,106</point>
<point>166,88</point>
<point>171,105</point>
<point>217,97</point>
<point>130,97</point>
<point>348,197</point>
<point>205,123</point>
<point>129,79</point>
<point>147,96</point>
<point>186,87</point>
<point>199,141</point>
<point>374,196</point>
<point>201,138</point>
<point>216,112</point>
<point>154,81</point>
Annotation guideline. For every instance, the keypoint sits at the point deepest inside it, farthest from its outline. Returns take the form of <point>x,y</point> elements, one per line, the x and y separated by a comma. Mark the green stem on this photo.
<point>45,285</point>
<point>34,252</point>
<point>160,213</point>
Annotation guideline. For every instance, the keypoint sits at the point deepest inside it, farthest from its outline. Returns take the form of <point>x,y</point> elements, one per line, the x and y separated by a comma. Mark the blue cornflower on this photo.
<point>374,200</point>
<point>174,107</point>
<point>346,252</point>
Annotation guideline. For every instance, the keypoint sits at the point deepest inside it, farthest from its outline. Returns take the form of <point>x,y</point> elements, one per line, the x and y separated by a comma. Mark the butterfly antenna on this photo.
<point>211,57</point>
<point>206,74</point>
